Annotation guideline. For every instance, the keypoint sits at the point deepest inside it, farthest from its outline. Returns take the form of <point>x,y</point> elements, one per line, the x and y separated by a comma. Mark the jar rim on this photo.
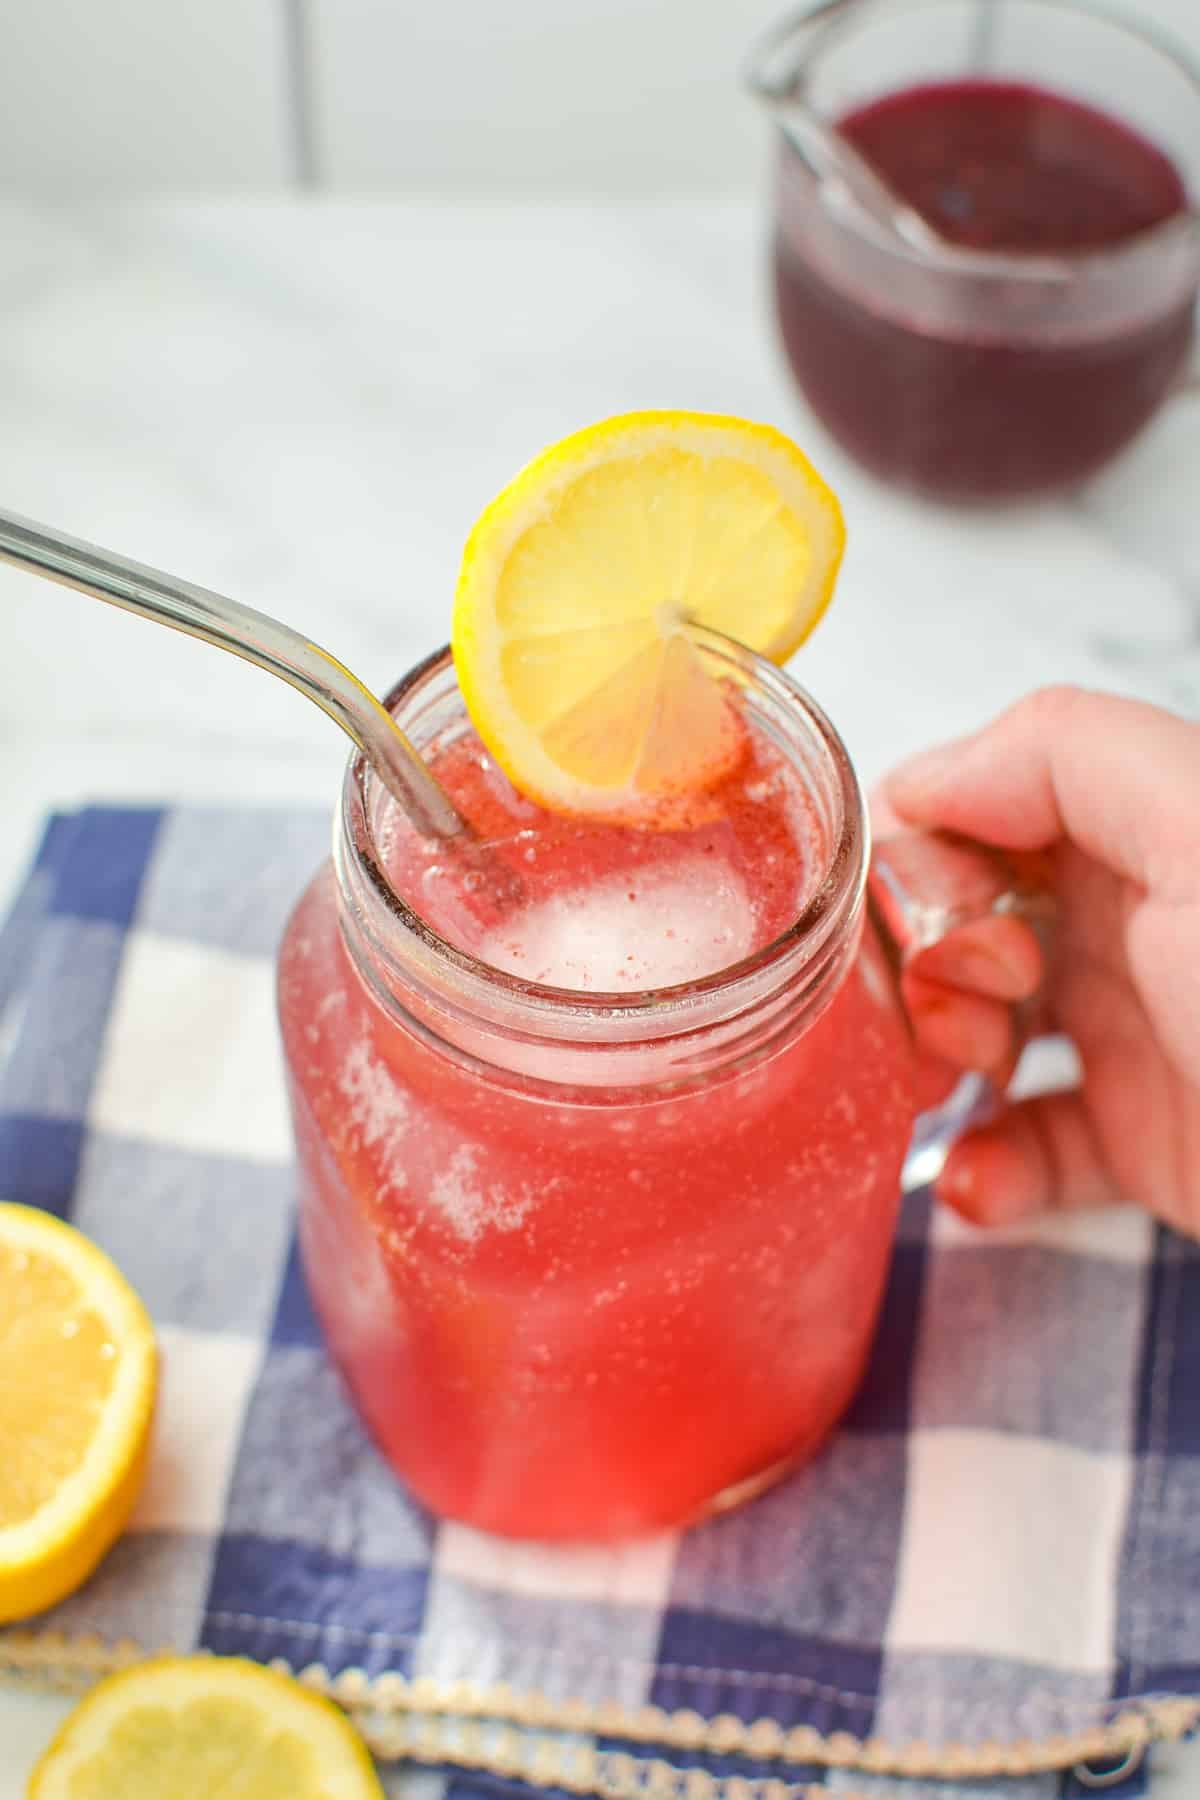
<point>834,903</point>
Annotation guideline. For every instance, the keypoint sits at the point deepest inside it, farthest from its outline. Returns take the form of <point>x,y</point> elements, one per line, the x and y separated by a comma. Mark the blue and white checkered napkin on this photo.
<point>997,1557</point>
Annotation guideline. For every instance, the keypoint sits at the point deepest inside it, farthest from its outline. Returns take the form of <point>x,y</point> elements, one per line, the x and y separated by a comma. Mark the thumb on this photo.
<point>1039,1155</point>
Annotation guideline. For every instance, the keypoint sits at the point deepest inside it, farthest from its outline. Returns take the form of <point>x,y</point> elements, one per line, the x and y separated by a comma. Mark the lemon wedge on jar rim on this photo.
<point>78,1371</point>
<point>193,1726</point>
<point>580,582</point>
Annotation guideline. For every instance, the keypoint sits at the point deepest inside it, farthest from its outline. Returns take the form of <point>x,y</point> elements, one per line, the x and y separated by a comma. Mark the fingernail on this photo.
<point>978,1192</point>
<point>973,965</point>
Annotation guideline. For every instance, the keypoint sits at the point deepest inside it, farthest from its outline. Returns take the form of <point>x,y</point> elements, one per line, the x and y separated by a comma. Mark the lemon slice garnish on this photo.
<point>581,581</point>
<point>196,1726</point>
<point>78,1371</point>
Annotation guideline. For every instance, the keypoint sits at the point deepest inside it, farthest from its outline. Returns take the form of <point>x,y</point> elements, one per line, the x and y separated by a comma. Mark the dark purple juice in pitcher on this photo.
<point>945,406</point>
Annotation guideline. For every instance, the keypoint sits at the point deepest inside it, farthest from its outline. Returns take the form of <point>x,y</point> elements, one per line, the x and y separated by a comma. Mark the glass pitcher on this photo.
<point>598,1265</point>
<point>974,374</point>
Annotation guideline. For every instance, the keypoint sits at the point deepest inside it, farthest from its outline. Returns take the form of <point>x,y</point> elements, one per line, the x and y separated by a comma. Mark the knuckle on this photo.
<point>1053,705</point>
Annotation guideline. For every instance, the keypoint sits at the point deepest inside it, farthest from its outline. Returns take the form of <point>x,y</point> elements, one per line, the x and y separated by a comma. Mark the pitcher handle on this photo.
<point>773,67</point>
<point>922,887</point>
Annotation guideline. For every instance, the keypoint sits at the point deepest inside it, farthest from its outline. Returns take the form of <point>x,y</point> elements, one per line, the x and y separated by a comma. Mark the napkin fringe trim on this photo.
<point>498,1699</point>
<point>489,1728</point>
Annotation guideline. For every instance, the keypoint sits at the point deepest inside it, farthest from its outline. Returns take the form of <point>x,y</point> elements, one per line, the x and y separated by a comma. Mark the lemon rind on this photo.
<point>50,1553</point>
<point>478,642</point>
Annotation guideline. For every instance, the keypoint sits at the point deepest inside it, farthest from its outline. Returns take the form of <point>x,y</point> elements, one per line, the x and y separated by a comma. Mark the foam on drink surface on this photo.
<point>673,924</point>
<point>610,908</point>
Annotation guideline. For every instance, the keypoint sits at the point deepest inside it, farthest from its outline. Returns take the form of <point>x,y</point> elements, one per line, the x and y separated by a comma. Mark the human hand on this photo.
<point>1110,789</point>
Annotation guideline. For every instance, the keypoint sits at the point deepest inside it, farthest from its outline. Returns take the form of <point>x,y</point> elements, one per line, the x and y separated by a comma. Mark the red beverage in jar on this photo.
<point>598,1184</point>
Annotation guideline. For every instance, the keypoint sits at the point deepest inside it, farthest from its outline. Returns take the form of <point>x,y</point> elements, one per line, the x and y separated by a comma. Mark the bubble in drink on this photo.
<point>612,908</point>
<point>685,926</point>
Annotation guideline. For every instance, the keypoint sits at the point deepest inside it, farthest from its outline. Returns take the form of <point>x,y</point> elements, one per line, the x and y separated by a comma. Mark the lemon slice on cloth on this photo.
<point>190,1727</point>
<point>78,1371</point>
<point>579,582</point>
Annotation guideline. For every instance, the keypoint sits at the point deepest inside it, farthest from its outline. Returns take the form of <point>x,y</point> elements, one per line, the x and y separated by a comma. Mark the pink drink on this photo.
<point>586,1265</point>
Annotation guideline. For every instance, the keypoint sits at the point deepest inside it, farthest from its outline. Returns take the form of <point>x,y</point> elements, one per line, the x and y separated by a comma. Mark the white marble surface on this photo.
<point>306,405</point>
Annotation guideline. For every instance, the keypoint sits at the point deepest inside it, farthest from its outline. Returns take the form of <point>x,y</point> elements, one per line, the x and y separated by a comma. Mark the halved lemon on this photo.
<point>581,580</point>
<point>78,1370</point>
<point>195,1726</point>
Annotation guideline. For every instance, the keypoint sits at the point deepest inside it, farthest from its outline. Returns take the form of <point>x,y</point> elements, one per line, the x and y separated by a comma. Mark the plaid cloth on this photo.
<point>1001,1547</point>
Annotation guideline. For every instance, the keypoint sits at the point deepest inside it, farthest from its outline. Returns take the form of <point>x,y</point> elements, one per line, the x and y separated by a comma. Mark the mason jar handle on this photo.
<point>925,884</point>
<point>922,887</point>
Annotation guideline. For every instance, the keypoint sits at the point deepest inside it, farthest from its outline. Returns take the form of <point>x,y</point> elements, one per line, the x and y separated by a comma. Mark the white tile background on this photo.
<point>631,95</point>
<point>136,94</point>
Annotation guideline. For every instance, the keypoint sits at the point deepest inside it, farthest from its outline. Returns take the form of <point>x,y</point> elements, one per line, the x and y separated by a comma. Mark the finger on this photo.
<point>970,1031</point>
<point>997,956</point>
<point>1118,777</point>
<point>885,820</point>
<point>1039,1156</point>
<point>934,1082</point>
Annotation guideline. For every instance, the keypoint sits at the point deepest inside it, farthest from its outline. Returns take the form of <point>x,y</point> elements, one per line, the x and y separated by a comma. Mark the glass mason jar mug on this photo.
<point>593,1264</point>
